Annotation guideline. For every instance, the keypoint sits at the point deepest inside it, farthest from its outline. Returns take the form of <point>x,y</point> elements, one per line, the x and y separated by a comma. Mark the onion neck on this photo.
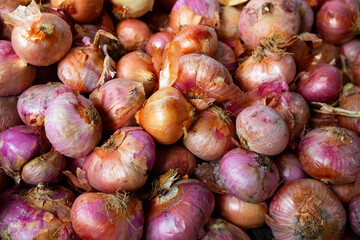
<point>264,162</point>
<point>311,226</point>
<point>118,203</point>
<point>47,28</point>
<point>267,8</point>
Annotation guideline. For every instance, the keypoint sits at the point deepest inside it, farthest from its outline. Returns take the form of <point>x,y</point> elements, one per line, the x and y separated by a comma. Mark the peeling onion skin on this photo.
<point>306,209</point>
<point>331,154</point>
<point>9,116</point>
<point>219,229</point>
<point>289,167</point>
<point>354,215</point>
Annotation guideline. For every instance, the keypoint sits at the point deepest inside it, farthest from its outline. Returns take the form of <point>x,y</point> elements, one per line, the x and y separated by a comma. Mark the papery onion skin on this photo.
<point>306,15</point>
<point>107,216</point>
<point>133,34</point>
<point>181,212</point>
<point>121,163</point>
<point>350,50</point>
<point>226,56</point>
<point>229,29</point>
<point>354,215</point>
<point>32,103</point>
<point>306,209</point>
<point>159,40</point>
<point>350,100</point>
<point>130,8</point>
<point>331,154</point>
<point>72,125</point>
<point>289,167</point>
<point>263,18</point>
<point>219,229</point>
<point>8,113</point>
<point>248,176</point>
<point>261,129</point>
<point>344,192</point>
<point>166,115</point>
<point>15,74</point>
<point>243,214</point>
<point>8,5</point>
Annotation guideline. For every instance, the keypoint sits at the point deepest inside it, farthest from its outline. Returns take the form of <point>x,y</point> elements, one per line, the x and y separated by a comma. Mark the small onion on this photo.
<point>243,214</point>
<point>166,115</point>
<point>306,15</point>
<point>72,125</point>
<point>220,229</point>
<point>33,102</point>
<point>130,8</point>
<point>306,209</point>
<point>261,129</point>
<point>350,50</point>
<point>289,167</point>
<point>122,162</point>
<point>229,17</point>
<point>226,56</point>
<point>133,34</point>
<point>107,216</point>
<point>354,216</point>
<point>159,40</point>
<point>331,154</point>
<point>8,113</point>
<point>350,100</point>
<point>15,74</point>
<point>248,176</point>
<point>344,192</point>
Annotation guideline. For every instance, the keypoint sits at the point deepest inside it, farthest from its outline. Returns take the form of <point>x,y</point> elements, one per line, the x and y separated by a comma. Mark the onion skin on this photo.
<point>226,56</point>
<point>107,216</point>
<point>229,18</point>
<point>158,40</point>
<point>130,8</point>
<point>9,116</point>
<point>350,50</point>
<point>33,102</point>
<point>261,129</point>
<point>331,154</point>
<point>243,214</point>
<point>72,125</point>
<point>121,163</point>
<point>183,203</point>
<point>306,209</point>
<point>15,74</point>
<point>133,34</point>
<point>219,229</point>
<point>354,215</point>
<point>344,192</point>
<point>8,5</point>
<point>289,167</point>
<point>350,100</point>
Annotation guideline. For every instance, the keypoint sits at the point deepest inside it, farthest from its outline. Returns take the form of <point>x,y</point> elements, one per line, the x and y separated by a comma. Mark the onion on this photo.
<point>350,50</point>
<point>248,176</point>
<point>175,213</point>
<point>38,38</point>
<point>229,17</point>
<point>72,125</point>
<point>331,154</point>
<point>208,173</point>
<point>137,66</point>
<point>33,102</point>
<point>130,8</point>
<point>166,115</point>
<point>344,192</point>
<point>243,214</point>
<point>121,163</point>
<point>350,100</point>
<point>15,74</point>
<point>8,114</point>
<point>306,15</point>
<point>210,137</point>
<point>158,40</point>
<point>321,83</point>
<point>289,167</point>
<point>174,157</point>
<point>226,56</point>
<point>337,21</point>
<point>191,13</point>
<point>356,69</point>
<point>133,34</point>
<point>8,5</point>
<point>261,129</point>
<point>264,18</point>
<point>221,229</point>
<point>107,216</point>
<point>306,209</point>
<point>84,11</point>
<point>325,53</point>
<point>354,215</point>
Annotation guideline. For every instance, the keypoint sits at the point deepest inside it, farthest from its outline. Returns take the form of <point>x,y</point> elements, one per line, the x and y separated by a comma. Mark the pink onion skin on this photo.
<point>133,34</point>
<point>183,203</point>
<point>229,17</point>
<point>219,229</point>
<point>344,192</point>
<point>306,15</point>
<point>9,116</point>
<point>226,56</point>
<point>261,129</point>
<point>331,154</point>
<point>15,74</point>
<point>117,102</point>
<point>289,167</point>
<point>159,40</point>
<point>72,125</point>
<point>306,209</point>
<point>121,163</point>
<point>354,216</point>
<point>100,216</point>
<point>337,21</point>
<point>250,177</point>
<point>263,18</point>
<point>32,103</point>
<point>350,50</point>
<point>321,83</point>
<point>207,11</point>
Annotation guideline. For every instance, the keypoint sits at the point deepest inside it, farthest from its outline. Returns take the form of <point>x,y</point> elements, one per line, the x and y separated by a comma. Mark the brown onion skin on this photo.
<point>229,18</point>
<point>8,113</point>
<point>306,209</point>
<point>350,100</point>
<point>243,214</point>
<point>344,192</point>
<point>133,34</point>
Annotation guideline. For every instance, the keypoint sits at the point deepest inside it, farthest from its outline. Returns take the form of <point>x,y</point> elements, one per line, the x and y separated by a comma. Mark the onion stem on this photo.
<point>327,109</point>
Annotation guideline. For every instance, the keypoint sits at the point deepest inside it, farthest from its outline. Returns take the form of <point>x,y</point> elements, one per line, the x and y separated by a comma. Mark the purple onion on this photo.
<point>226,56</point>
<point>306,15</point>
<point>289,167</point>
<point>158,40</point>
<point>350,50</point>
<point>250,177</point>
<point>8,114</point>
<point>33,102</point>
<point>354,215</point>
<point>219,229</point>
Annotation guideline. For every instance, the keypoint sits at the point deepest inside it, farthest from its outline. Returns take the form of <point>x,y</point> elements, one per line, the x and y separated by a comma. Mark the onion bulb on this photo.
<point>350,100</point>
<point>289,167</point>
<point>226,56</point>
<point>229,29</point>
<point>130,8</point>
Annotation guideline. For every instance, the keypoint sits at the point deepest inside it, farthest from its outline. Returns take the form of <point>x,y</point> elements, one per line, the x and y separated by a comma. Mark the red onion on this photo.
<point>191,13</point>
<point>344,192</point>
<point>107,216</point>
<point>356,69</point>
<point>337,21</point>
<point>331,154</point>
<point>350,50</point>
<point>326,53</point>
<point>306,209</point>
<point>8,5</point>
<point>248,176</point>
<point>289,167</point>
<point>226,56</point>
<point>15,74</point>
<point>8,114</point>
<point>133,34</point>
<point>38,38</point>
<point>158,40</point>
<point>122,162</point>
<point>33,102</point>
<point>130,8</point>
<point>321,83</point>
<point>175,213</point>
<point>218,229</point>
<point>261,129</point>
<point>354,215</point>
<point>229,17</point>
<point>350,100</point>
<point>72,125</point>
<point>306,15</point>
<point>264,18</point>
<point>210,137</point>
